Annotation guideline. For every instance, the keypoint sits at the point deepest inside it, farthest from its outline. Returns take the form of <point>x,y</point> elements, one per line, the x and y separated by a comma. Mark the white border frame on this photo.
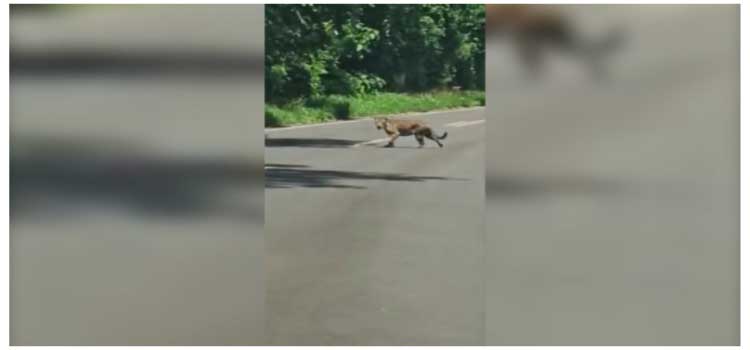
<point>744,149</point>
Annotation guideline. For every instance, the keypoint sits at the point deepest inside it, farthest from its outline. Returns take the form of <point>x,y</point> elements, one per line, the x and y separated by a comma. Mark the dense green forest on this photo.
<point>315,50</point>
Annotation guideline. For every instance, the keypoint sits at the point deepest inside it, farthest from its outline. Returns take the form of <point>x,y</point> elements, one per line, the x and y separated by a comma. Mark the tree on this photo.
<point>314,50</point>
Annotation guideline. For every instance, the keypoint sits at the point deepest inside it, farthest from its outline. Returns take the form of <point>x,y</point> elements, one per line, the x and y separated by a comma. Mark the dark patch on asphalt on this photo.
<point>291,176</point>
<point>310,142</point>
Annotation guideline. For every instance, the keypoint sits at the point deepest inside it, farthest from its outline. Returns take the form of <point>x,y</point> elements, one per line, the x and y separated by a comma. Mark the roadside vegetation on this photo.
<point>336,107</point>
<point>334,62</point>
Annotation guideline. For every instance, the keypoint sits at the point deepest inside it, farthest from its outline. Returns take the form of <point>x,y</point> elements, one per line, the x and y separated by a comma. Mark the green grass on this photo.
<point>322,109</point>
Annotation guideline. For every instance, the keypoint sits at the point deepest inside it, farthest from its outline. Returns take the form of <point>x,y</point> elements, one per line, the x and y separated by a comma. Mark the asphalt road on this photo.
<point>375,246</point>
<point>613,207</point>
<point>137,208</point>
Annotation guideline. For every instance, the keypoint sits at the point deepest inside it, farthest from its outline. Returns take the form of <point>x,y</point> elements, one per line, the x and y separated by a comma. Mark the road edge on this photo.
<point>437,111</point>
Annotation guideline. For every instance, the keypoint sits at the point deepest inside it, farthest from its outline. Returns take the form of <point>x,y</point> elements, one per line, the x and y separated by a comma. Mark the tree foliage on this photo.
<point>315,50</point>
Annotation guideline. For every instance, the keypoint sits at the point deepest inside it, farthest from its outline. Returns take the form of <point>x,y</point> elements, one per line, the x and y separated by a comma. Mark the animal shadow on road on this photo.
<point>292,176</point>
<point>310,142</point>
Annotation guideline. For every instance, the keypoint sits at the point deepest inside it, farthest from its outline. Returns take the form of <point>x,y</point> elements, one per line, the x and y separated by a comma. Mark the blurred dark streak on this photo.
<point>153,62</point>
<point>34,8</point>
<point>54,172</point>
<point>276,165</point>
<point>518,187</point>
<point>310,142</point>
<point>290,176</point>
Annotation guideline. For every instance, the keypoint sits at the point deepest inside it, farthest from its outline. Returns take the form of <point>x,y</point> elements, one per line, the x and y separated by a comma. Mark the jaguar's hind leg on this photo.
<point>420,139</point>
<point>433,138</point>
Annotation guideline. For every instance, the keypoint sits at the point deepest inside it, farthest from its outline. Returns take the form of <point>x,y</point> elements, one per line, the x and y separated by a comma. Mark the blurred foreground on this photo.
<point>612,204</point>
<point>136,177</point>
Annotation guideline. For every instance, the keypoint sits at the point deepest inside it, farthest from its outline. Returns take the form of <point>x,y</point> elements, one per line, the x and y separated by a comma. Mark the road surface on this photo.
<point>136,191</point>
<point>613,208</point>
<point>375,246</point>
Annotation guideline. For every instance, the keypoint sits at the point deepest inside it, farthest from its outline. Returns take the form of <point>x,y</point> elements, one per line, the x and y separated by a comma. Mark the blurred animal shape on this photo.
<point>535,28</point>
